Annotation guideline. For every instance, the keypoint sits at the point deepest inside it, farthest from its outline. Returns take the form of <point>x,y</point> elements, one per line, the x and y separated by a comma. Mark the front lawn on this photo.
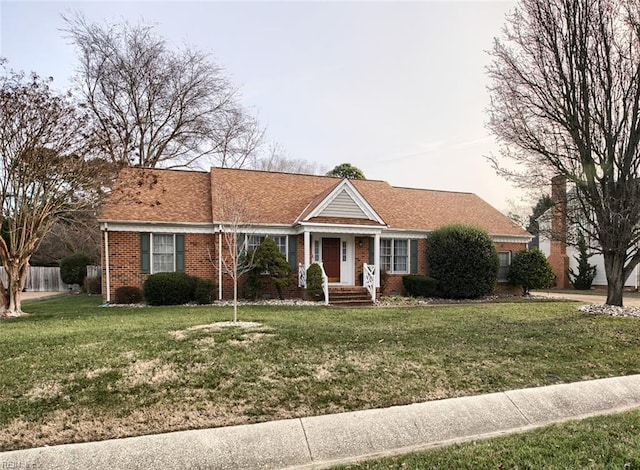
<point>74,371</point>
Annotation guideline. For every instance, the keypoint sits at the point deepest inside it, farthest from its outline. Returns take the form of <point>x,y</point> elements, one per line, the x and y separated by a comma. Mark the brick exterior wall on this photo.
<point>124,259</point>
<point>558,247</point>
<point>202,249</point>
<point>393,284</point>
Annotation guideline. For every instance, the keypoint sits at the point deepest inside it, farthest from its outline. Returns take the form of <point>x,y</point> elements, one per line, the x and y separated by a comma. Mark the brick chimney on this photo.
<point>558,253</point>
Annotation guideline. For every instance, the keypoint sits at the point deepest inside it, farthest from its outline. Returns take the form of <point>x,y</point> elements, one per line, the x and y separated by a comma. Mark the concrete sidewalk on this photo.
<point>321,441</point>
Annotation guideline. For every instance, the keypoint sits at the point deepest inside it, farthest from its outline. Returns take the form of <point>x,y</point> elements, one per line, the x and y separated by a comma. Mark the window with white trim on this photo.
<point>504,258</point>
<point>163,252</point>
<point>253,241</point>
<point>394,255</point>
<point>281,243</point>
<point>316,251</point>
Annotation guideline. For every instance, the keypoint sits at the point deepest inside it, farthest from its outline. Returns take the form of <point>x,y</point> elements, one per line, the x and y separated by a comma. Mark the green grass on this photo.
<point>605,442</point>
<point>73,371</point>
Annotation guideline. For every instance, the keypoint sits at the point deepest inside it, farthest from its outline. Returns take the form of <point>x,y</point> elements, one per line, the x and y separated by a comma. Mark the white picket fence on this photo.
<point>47,279</point>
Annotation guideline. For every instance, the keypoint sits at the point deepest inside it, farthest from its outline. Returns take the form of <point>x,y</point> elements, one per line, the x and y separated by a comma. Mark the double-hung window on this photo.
<point>161,252</point>
<point>281,243</point>
<point>505,263</point>
<point>253,241</point>
<point>394,255</point>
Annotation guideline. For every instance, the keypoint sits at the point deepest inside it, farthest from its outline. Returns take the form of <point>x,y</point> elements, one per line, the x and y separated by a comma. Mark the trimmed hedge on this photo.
<point>128,295</point>
<point>169,289</point>
<point>177,289</point>
<point>464,260</point>
<point>203,291</point>
<point>419,286</point>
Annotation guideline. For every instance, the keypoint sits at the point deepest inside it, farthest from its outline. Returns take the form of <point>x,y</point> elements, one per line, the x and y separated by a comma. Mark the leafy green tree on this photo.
<point>530,269</point>
<point>347,170</point>
<point>464,261</point>
<point>583,279</point>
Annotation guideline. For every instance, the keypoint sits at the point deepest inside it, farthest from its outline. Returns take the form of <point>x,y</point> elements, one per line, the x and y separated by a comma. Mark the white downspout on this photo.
<point>307,249</point>
<point>220,263</point>
<point>106,262</point>
<point>376,258</point>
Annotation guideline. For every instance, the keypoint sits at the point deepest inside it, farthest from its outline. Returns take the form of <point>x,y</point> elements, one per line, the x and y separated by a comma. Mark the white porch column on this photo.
<point>107,272</point>
<point>307,249</point>
<point>376,257</point>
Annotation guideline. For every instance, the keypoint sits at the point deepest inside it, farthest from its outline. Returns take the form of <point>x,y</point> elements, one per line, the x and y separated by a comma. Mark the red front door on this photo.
<point>331,258</point>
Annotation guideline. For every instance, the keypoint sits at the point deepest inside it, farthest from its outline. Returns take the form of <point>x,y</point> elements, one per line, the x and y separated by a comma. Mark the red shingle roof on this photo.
<point>284,198</point>
<point>152,195</point>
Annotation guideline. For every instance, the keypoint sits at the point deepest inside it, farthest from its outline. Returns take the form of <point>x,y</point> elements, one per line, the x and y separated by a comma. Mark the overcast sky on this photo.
<point>397,89</point>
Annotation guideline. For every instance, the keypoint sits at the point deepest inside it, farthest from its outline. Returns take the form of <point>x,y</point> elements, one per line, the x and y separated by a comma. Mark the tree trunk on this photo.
<point>4,300</point>
<point>16,274</point>
<point>614,269</point>
<point>235,299</point>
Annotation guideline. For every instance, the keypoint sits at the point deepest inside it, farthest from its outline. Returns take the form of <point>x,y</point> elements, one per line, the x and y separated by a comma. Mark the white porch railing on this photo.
<point>369,280</point>
<point>325,285</point>
<point>302,276</point>
<point>302,280</point>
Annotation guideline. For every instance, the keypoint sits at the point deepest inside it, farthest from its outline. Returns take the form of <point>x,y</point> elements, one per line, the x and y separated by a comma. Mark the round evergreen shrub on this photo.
<point>314,281</point>
<point>464,261</point>
<point>419,286</point>
<point>203,291</point>
<point>169,289</point>
<point>73,268</point>
<point>530,269</point>
<point>128,295</point>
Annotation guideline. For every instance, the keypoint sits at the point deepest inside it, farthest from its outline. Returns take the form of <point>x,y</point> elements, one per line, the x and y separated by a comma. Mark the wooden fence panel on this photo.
<point>47,279</point>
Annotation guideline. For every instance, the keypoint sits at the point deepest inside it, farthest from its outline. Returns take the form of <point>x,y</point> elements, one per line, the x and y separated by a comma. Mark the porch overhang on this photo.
<point>363,230</point>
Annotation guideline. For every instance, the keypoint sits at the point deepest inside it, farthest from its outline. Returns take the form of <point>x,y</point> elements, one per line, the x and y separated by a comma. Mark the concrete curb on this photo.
<point>320,441</point>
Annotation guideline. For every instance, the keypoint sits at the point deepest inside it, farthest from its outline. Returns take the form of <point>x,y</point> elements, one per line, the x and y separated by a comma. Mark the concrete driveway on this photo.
<point>593,298</point>
<point>39,295</point>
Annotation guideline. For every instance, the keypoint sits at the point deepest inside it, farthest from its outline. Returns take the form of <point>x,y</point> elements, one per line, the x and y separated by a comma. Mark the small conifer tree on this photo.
<point>268,264</point>
<point>583,279</point>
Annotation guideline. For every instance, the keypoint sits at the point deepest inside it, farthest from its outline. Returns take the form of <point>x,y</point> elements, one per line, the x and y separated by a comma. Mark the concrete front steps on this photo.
<point>349,296</point>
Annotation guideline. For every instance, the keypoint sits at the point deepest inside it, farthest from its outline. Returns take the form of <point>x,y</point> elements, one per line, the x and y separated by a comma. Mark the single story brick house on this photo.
<point>169,220</point>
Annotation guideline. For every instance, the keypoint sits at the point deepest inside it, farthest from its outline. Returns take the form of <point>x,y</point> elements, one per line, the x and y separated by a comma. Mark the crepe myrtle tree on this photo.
<point>565,101</point>
<point>44,173</point>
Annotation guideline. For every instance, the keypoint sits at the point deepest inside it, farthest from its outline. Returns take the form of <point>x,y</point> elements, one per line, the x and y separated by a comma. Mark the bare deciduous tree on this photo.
<point>565,100</point>
<point>278,160</point>
<point>233,214</point>
<point>74,233</point>
<point>154,106</point>
<point>43,172</point>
